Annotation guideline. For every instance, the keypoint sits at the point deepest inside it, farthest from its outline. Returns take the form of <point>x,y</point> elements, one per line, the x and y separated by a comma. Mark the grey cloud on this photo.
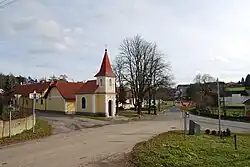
<point>190,32</point>
<point>24,23</point>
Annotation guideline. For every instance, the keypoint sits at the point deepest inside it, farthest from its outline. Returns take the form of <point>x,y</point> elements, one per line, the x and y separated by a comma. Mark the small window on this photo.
<point>41,101</point>
<point>110,82</point>
<point>15,102</point>
<point>83,102</point>
<point>27,102</point>
<point>36,100</point>
<point>101,82</point>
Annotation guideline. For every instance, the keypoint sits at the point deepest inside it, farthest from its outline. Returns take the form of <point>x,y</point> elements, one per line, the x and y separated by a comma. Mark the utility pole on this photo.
<point>218,93</point>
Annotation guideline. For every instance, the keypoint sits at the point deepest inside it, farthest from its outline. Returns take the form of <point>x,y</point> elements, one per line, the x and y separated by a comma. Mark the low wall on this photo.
<point>17,126</point>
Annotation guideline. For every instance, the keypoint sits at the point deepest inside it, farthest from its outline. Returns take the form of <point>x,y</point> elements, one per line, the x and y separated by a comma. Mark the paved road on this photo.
<point>213,124</point>
<point>78,148</point>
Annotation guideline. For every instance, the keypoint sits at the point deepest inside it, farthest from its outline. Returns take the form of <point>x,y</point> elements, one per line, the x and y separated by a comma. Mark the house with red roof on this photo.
<point>60,96</point>
<point>92,97</point>
<point>22,92</point>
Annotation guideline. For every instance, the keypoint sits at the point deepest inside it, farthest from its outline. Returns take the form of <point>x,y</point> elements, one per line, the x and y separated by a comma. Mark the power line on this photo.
<point>3,4</point>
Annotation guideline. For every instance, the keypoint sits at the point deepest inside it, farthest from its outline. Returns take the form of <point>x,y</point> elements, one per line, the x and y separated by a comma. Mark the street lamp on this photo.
<point>34,108</point>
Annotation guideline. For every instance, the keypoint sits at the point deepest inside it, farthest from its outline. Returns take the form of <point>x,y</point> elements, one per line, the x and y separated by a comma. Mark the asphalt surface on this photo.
<point>213,124</point>
<point>83,147</point>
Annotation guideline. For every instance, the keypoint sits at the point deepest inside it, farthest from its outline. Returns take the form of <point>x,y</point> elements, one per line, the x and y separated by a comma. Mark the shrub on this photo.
<point>16,112</point>
<point>213,132</point>
<point>120,108</point>
<point>132,108</point>
<point>224,133</point>
<point>207,131</point>
<point>228,132</point>
<point>218,132</point>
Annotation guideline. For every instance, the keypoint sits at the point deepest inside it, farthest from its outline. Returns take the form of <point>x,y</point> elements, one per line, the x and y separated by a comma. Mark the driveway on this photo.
<point>63,123</point>
<point>81,148</point>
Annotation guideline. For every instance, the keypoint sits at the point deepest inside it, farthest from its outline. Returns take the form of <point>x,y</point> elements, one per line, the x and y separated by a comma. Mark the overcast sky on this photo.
<point>43,37</point>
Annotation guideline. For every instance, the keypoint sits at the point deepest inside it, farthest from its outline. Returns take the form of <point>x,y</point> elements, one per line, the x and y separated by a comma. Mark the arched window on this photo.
<point>101,82</point>
<point>110,82</point>
<point>83,102</point>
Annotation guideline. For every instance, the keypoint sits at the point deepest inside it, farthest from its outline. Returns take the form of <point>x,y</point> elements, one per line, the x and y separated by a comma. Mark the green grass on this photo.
<point>42,129</point>
<point>167,104</point>
<point>232,89</point>
<point>94,117</point>
<point>128,113</point>
<point>170,149</point>
<point>231,112</point>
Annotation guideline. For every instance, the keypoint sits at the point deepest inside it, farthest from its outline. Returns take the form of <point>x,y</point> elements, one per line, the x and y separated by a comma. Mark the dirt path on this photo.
<point>80,148</point>
<point>64,124</point>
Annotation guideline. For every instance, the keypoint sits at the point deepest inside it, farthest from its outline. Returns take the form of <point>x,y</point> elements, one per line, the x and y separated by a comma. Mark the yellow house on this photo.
<point>98,96</point>
<point>60,96</point>
<point>93,97</point>
<point>21,93</point>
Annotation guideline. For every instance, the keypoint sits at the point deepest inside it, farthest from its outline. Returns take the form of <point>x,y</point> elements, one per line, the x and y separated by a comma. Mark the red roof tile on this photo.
<point>105,69</point>
<point>67,89</point>
<point>88,88</point>
<point>25,90</point>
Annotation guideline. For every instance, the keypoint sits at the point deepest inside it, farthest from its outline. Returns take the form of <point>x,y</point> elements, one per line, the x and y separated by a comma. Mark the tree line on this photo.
<point>8,81</point>
<point>142,68</point>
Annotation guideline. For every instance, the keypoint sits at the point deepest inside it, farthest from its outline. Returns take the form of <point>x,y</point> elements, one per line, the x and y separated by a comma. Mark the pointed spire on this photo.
<point>106,69</point>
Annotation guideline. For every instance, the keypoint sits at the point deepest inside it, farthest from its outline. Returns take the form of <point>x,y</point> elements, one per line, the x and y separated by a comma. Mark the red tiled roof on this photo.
<point>67,89</point>
<point>105,69</point>
<point>88,88</point>
<point>25,90</point>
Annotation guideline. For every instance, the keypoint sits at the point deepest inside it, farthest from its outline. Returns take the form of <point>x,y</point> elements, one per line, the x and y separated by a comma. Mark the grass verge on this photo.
<point>94,117</point>
<point>42,129</point>
<point>169,149</point>
<point>128,113</point>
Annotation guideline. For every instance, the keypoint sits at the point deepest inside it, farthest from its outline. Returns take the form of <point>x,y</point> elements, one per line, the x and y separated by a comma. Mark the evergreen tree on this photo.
<point>247,81</point>
<point>242,80</point>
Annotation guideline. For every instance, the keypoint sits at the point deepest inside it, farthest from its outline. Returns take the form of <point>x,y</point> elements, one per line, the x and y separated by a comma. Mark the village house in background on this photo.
<point>92,97</point>
<point>161,95</point>
<point>234,97</point>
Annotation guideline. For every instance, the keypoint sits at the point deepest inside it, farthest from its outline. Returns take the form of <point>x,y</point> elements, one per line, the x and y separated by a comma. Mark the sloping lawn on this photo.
<point>170,149</point>
<point>42,129</point>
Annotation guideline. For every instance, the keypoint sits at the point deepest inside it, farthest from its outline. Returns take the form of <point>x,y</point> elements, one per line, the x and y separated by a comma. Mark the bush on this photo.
<point>224,133</point>
<point>213,132</point>
<point>207,131</point>
<point>16,113</point>
<point>132,108</point>
<point>218,132</point>
<point>228,132</point>
<point>120,108</point>
<point>147,108</point>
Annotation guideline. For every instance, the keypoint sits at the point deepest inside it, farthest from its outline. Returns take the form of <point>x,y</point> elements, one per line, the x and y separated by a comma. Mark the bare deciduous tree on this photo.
<point>142,67</point>
<point>204,78</point>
